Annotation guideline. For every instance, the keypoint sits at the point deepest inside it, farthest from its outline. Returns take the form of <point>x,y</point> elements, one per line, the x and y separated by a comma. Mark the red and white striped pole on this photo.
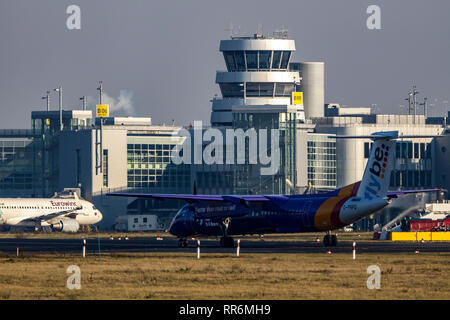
<point>238,247</point>
<point>354,250</point>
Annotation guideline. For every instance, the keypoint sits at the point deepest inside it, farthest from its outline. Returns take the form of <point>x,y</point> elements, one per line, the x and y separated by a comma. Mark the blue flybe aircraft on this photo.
<point>227,215</point>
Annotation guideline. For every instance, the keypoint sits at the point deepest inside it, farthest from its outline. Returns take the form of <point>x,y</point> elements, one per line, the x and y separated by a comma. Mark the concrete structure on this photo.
<point>441,157</point>
<point>46,129</point>
<point>257,74</point>
<point>352,154</point>
<point>312,86</point>
<point>335,110</point>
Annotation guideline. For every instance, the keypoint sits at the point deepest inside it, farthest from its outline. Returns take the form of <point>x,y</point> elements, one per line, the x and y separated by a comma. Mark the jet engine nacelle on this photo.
<point>66,225</point>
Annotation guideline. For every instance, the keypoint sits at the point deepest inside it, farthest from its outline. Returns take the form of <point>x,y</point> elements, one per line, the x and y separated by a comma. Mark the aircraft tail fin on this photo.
<point>376,178</point>
<point>377,175</point>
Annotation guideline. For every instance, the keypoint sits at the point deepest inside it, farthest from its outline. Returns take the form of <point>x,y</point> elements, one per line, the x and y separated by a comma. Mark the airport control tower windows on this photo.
<point>285,59</point>
<point>229,60</point>
<point>264,59</point>
<point>232,90</point>
<point>240,60</point>
<point>276,59</point>
<point>259,89</point>
<point>252,59</point>
<point>284,89</point>
<point>256,89</point>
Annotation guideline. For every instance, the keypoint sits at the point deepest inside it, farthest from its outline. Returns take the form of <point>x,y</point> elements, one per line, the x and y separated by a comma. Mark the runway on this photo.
<point>151,244</point>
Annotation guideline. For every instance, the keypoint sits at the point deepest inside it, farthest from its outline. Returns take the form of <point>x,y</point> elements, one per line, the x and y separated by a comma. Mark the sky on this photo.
<point>158,58</point>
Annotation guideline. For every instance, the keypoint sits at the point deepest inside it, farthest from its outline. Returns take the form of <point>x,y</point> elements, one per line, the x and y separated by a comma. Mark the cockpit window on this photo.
<point>182,212</point>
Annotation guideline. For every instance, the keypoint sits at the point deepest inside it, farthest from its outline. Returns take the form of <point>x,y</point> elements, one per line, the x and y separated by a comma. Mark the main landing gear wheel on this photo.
<point>330,240</point>
<point>182,243</point>
<point>227,242</point>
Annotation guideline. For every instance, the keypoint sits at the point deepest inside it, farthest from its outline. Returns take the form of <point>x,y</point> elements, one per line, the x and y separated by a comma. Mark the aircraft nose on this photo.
<point>181,227</point>
<point>99,216</point>
<point>173,228</point>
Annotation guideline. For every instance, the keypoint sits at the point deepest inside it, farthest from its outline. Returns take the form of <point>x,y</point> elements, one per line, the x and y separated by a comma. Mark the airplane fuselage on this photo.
<point>299,213</point>
<point>17,211</point>
<point>224,215</point>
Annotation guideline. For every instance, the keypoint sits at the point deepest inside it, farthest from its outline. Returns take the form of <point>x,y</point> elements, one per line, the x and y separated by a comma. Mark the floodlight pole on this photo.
<point>425,107</point>
<point>409,102</point>
<point>100,89</point>
<point>59,90</point>
<point>47,97</point>
<point>415,92</point>
<point>83,98</point>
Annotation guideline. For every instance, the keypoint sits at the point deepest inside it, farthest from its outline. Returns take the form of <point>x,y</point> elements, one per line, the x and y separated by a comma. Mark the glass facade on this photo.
<point>321,161</point>
<point>262,60</point>
<point>256,89</point>
<point>247,178</point>
<point>150,167</point>
<point>46,130</point>
<point>105,167</point>
<point>16,166</point>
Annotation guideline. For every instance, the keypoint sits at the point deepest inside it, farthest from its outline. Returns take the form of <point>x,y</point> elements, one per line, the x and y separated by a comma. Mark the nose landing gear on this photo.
<point>182,243</point>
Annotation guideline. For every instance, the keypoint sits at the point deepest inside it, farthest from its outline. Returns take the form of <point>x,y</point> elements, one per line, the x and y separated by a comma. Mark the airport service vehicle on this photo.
<point>63,213</point>
<point>227,215</point>
<point>138,222</point>
<point>423,225</point>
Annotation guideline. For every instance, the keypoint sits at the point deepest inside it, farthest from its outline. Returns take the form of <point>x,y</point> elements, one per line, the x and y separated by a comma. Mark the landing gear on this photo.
<point>225,240</point>
<point>330,240</point>
<point>182,242</point>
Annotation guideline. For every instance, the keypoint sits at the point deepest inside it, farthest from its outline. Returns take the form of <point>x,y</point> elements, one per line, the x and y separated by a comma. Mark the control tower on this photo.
<point>257,75</point>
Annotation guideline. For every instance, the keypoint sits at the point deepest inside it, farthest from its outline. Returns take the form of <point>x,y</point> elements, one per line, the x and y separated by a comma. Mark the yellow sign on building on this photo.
<point>102,110</point>
<point>297,97</point>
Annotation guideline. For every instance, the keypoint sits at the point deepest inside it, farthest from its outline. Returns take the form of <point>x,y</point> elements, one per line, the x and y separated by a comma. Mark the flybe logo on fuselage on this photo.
<point>377,170</point>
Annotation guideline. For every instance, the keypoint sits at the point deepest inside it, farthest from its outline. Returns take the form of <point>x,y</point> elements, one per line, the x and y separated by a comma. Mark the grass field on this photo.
<point>343,236</point>
<point>224,276</point>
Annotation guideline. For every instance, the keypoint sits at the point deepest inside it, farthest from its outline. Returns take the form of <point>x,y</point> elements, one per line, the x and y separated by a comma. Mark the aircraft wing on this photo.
<point>193,198</point>
<point>394,194</point>
<point>242,203</point>
<point>240,198</point>
<point>50,216</point>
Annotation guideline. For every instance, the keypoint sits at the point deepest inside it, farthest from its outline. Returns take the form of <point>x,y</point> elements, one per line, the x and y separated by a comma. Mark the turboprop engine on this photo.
<point>66,225</point>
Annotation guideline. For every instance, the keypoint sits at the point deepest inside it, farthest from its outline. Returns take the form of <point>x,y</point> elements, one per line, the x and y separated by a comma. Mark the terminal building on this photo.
<point>16,163</point>
<point>259,90</point>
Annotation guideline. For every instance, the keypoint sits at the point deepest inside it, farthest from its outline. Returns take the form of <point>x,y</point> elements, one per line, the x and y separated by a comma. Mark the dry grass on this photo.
<point>223,276</point>
<point>342,236</point>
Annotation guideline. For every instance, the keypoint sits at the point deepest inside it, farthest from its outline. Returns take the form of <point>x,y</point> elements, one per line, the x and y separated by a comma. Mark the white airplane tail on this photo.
<point>377,175</point>
<point>376,178</point>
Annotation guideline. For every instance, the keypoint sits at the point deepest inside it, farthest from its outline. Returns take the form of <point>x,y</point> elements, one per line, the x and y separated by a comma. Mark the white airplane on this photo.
<point>60,213</point>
